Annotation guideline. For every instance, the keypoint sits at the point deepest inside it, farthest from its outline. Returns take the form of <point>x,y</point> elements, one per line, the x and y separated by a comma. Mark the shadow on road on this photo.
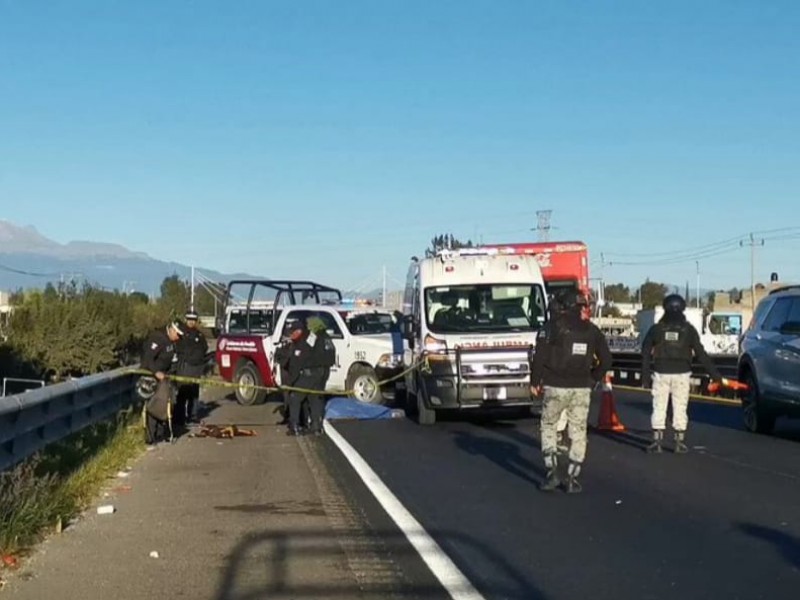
<point>504,454</point>
<point>788,546</point>
<point>726,417</point>
<point>301,564</point>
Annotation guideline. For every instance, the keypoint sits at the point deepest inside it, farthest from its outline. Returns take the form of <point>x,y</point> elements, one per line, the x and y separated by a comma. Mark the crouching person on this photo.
<point>158,355</point>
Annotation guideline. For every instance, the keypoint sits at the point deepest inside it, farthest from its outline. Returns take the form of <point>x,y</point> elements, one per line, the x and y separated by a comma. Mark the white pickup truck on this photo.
<point>369,346</point>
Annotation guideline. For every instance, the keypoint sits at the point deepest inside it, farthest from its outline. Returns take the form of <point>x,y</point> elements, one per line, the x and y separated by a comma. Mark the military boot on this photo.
<point>680,444</point>
<point>553,481</point>
<point>658,439</point>
<point>573,486</point>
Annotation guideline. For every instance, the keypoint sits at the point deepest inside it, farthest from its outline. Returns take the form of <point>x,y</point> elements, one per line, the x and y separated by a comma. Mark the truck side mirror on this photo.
<point>408,328</point>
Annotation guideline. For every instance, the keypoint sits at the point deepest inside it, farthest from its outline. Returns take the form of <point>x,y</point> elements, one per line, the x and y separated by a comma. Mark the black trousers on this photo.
<point>187,396</point>
<point>315,402</point>
<point>156,430</point>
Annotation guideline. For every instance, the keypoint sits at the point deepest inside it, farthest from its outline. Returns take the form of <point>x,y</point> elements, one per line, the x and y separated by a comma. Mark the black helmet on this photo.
<point>146,387</point>
<point>674,303</point>
<point>569,301</point>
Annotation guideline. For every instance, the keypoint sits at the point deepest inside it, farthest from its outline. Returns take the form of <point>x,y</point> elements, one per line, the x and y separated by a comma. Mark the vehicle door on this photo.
<point>787,354</point>
<point>337,335</point>
<point>765,347</point>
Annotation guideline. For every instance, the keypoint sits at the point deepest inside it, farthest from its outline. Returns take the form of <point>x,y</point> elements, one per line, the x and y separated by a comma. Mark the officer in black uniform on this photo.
<point>192,350</point>
<point>158,355</point>
<point>571,357</point>
<point>322,359</point>
<point>298,361</point>
<point>671,344</point>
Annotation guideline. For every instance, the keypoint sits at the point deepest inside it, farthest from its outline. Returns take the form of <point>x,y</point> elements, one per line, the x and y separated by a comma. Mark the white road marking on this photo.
<point>444,569</point>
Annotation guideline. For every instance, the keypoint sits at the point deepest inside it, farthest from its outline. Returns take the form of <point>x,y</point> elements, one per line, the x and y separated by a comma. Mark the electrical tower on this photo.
<point>543,224</point>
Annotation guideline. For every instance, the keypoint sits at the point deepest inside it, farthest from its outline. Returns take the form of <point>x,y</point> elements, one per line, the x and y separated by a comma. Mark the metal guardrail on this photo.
<point>31,420</point>
<point>34,383</point>
<point>627,369</point>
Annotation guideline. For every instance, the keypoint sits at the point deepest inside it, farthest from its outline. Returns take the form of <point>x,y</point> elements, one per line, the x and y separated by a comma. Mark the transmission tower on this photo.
<point>543,224</point>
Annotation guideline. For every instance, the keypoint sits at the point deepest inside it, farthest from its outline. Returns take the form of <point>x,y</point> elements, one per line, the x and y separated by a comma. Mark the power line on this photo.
<point>712,250</point>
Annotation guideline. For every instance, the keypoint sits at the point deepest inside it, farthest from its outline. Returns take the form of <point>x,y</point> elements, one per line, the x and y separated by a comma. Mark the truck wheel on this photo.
<point>363,381</point>
<point>248,375</point>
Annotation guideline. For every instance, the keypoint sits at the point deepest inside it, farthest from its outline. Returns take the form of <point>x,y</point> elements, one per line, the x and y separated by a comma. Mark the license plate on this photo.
<point>494,393</point>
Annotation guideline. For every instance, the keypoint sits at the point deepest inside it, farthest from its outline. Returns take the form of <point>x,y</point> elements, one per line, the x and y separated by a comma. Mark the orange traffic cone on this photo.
<point>609,421</point>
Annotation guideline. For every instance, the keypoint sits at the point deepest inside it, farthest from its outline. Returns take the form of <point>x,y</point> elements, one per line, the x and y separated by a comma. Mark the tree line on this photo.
<point>69,331</point>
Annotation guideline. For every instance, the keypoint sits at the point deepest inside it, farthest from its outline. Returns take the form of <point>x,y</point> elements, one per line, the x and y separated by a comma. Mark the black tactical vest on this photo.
<point>673,341</point>
<point>572,348</point>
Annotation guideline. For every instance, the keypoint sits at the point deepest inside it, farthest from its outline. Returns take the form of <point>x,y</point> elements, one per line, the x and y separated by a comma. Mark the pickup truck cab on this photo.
<point>260,314</point>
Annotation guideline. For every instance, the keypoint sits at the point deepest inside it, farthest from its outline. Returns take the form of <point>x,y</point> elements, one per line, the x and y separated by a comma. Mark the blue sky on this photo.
<point>326,139</point>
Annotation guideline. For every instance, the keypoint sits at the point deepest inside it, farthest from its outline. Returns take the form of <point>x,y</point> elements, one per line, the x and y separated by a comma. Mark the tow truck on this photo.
<point>260,314</point>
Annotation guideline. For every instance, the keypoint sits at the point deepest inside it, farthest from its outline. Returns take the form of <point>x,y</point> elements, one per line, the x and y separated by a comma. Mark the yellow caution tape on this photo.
<point>700,397</point>
<point>216,382</point>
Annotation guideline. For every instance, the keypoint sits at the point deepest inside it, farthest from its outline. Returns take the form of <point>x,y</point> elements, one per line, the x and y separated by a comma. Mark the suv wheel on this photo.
<point>756,418</point>
<point>247,375</point>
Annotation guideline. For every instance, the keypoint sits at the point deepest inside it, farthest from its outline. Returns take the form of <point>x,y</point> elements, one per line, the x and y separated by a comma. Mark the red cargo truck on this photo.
<point>563,264</point>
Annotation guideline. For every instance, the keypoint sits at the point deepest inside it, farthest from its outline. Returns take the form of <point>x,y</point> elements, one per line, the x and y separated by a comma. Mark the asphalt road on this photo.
<point>720,522</point>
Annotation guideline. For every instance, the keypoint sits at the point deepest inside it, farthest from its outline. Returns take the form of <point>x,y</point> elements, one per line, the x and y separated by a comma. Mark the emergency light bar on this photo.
<point>451,254</point>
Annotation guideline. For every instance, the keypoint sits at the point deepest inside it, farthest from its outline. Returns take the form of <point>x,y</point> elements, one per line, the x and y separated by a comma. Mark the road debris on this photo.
<point>106,509</point>
<point>229,432</point>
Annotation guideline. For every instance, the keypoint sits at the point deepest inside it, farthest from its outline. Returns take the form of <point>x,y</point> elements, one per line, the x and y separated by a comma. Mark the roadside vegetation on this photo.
<point>65,331</point>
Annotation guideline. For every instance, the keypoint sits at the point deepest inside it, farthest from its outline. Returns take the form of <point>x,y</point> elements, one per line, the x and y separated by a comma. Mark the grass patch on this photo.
<point>56,484</point>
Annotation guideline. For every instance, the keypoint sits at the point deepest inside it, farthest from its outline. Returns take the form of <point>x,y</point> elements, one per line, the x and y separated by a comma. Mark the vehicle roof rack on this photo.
<point>286,285</point>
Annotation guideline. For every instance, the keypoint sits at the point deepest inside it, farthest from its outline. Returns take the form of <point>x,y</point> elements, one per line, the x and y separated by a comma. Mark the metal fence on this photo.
<point>31,420</point>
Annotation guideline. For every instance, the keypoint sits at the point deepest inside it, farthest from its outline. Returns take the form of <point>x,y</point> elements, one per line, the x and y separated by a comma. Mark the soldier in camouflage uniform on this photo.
<point>571,357</point>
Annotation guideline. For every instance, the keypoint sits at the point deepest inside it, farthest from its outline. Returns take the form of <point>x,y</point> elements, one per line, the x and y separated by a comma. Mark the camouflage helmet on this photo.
<point>316,325</point>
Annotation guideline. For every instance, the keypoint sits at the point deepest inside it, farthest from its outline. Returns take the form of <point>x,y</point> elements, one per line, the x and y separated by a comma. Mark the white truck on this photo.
<point>471,321</point>
<point>719,331</point>
<point>369,345</point>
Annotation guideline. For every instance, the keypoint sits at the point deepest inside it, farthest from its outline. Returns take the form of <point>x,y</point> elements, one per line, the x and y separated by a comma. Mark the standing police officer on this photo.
<point>671,344</point>
<point>571,357</point>
<point>299,358</point>
<point>323,358</point>
<point>192,350</point>
<point>158,354</point>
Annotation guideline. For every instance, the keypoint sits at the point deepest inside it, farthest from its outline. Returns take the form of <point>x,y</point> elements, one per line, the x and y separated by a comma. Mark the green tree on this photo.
<point>175,296</point>
<point>653,293</point>
<point>617,293</point>
<point>446,241</point>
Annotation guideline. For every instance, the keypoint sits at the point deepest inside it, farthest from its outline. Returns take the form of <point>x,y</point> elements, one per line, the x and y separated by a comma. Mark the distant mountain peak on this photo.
<point>27,240</point>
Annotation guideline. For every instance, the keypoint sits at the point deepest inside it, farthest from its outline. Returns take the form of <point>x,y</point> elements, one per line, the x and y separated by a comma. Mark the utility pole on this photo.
<point>752,242</point>
<point>697,262</point>
<point>543,224</point>
<point>191,301</point>
<point>602,290</point>
<point>383,294</point>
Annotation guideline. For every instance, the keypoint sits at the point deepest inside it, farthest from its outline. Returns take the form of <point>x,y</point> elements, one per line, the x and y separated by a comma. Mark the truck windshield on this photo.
<point>370,323</point>
<point>485,308</point>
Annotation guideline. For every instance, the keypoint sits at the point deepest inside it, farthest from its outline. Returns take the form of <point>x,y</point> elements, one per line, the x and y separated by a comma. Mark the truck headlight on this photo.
<point>390,361</point>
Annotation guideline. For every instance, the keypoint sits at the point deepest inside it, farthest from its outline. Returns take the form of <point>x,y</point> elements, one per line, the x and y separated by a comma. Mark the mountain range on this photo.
<point>30,260</point>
